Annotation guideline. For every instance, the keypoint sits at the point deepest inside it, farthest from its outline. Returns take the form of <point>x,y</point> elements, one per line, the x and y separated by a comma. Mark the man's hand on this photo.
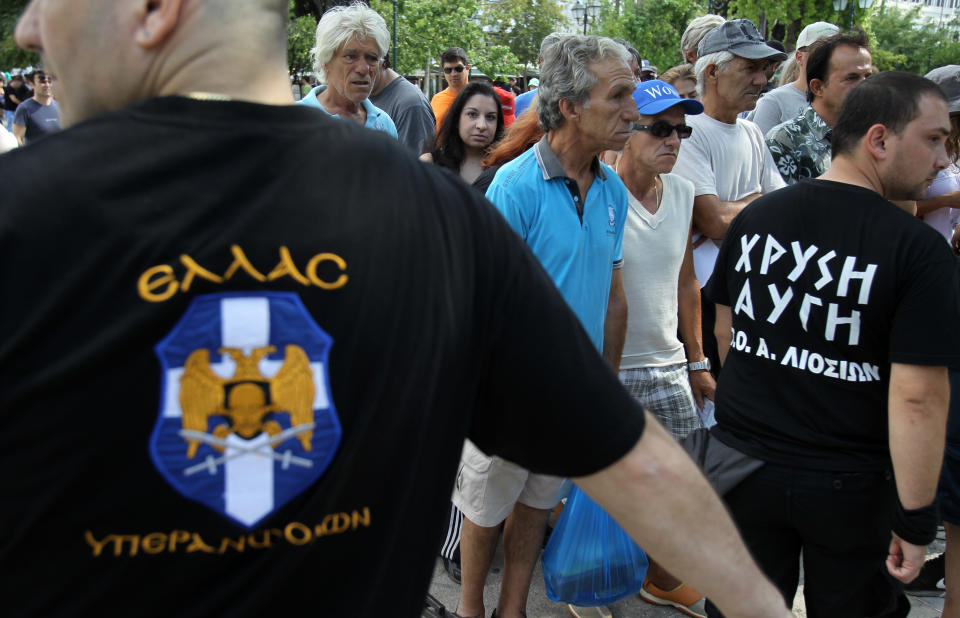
<point>703,386</point>
<point>955,242</point>
<point>905,559</point>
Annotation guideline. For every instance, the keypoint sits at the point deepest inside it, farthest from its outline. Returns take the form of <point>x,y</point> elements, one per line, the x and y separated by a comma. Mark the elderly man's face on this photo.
<point>606,118</point>
<point>656,154</point>
<point>352,70</point>
<point>740,83</point>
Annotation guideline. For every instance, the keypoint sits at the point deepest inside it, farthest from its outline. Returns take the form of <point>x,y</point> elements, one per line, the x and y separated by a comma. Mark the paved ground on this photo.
<point>539,606</point>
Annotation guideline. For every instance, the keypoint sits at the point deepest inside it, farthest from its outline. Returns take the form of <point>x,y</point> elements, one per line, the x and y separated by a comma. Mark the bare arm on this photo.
<point>666,505</point>
<point>712,217</point>
<point>918,401</point>
<point>20,132</point>
<point>947,200</point>
<point>615,324</point>
<point>688,310</point>
<point>722,331</point>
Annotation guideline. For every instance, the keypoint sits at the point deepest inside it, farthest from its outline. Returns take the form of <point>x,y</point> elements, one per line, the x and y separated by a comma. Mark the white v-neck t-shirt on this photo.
<point>653,249</point>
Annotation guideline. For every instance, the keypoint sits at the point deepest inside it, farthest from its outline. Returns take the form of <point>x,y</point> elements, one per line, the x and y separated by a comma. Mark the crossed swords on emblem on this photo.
<point>211,463</point>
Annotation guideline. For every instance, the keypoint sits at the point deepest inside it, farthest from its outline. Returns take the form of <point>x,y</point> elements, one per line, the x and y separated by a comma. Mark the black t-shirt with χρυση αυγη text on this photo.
<point>221,398</point>
<point>828,284</point>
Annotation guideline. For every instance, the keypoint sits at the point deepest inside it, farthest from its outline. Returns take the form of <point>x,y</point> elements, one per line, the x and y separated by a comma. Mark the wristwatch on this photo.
<point>703,365</point>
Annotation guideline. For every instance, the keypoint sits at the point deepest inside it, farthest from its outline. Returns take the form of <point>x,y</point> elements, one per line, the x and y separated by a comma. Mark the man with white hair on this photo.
<point>698,28</point>
<point>726,158</point>
<point>222,399</point>
<point>351,43</point>
<point>790,100</point>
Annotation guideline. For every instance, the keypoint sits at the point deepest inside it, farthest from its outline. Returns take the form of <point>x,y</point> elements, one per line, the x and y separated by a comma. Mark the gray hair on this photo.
<point>549,41</point>
<point>695,32</point>
<point>566,74</point>
<point>720,58</point>
<point>342,23</point>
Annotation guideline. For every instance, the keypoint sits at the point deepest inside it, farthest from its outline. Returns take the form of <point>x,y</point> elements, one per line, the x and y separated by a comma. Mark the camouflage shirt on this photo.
<point>801,146</point>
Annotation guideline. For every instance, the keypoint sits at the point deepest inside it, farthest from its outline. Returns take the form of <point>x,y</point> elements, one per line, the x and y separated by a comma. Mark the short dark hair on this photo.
<point>819,54</point>
<point>453,54</point>
<point>889,98</point>
<point>449,151</point>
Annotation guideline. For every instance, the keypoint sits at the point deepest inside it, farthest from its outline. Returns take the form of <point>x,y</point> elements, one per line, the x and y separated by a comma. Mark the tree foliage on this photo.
<point>427,27</point>
<point>522,24</point>
<point>792,15</point>
<point>10,54</point>
<point>301,33</point>
<point>902,40</point>
<point>654,27</point>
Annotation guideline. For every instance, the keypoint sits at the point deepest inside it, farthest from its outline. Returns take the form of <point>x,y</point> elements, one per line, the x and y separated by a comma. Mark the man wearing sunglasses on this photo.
<point>456,70</point>
<point>726,159</point>
<point>39,115</point>
<point>665,376</point>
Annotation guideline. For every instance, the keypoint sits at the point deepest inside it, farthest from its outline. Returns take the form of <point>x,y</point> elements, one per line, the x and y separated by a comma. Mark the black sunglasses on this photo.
<point>458,69</point>
<point>43,78</point>
<point>662,128</point>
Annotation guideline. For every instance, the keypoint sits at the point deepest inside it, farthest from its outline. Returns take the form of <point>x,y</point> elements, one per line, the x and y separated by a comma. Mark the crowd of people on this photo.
<point>30,110</point>
<point>220,389</point>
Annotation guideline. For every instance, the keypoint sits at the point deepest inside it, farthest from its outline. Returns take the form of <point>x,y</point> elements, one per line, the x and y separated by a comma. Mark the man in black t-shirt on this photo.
<point>14,94</point>
<point>218,399</point>
<point>844,314</point>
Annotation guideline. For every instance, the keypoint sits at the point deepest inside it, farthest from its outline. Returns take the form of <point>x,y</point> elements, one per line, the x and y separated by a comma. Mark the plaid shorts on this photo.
<point>665,392</point>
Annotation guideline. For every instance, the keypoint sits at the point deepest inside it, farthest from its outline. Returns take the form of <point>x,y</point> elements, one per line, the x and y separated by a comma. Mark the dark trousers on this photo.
<point>708,319</point>
<point>840,521</point>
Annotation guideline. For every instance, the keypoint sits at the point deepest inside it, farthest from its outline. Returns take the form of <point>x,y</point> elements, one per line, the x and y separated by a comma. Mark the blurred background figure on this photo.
<point>684,79</point>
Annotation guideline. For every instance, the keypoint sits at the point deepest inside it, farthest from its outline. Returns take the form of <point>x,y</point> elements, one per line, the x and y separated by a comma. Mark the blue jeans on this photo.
<point>8,116</point>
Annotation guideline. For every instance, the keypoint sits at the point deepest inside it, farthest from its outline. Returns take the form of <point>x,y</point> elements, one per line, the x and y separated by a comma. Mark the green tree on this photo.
<point>10,54</point>
<point>654,27</point>
<point>522,24</point>
<point>792,15</point>
<point>902,40</point>
<point>427,27</point>
<point>301,34</point>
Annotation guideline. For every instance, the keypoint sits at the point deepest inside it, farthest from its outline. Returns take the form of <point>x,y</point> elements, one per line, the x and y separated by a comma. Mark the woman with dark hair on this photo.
<point>472,124</point>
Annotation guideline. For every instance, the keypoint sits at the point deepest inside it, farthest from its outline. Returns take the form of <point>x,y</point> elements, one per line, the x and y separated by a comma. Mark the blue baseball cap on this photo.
<point>654,96</point>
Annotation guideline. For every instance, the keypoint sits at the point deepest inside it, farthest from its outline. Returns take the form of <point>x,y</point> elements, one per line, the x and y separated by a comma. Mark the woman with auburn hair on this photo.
<point>473,123</point>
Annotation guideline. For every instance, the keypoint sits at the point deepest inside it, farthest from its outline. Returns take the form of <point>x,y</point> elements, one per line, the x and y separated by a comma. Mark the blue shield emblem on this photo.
<point>246,419</point>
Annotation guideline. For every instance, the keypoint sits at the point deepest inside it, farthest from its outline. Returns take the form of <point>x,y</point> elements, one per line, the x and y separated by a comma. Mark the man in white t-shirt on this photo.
<point>726,158</point>
<point>788,101</point>
<point>664,375</point>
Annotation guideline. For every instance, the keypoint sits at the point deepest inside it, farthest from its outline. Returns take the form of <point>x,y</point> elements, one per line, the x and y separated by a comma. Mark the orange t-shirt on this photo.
<point>441,102</point>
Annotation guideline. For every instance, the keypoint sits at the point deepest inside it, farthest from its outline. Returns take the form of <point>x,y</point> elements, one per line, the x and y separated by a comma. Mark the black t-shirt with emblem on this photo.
<point>828,284</point>
<point>220,398</point>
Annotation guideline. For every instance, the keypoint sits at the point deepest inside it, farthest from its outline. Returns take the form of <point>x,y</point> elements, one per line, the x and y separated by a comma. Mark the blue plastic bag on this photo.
<point>589,559</point>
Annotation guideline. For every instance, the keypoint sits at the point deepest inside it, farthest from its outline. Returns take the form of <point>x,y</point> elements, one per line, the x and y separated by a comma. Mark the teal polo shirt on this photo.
<point>377,119</point>
<point>579,245</point>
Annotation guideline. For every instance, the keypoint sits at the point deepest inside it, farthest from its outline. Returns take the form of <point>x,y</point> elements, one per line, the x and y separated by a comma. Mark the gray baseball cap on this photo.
<point>948,78</point>
<point>739,37</point>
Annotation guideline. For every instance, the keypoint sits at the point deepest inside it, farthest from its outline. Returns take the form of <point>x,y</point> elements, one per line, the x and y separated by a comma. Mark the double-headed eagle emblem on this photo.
<point>247,399</point>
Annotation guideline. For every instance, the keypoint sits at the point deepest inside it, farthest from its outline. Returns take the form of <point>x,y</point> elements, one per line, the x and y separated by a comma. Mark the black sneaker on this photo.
<point>925,585</point>
<point>452,568</point>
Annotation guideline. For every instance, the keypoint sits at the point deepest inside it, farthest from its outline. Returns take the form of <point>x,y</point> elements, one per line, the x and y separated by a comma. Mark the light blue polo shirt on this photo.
<point>377,119</point>
<point>578,247</point>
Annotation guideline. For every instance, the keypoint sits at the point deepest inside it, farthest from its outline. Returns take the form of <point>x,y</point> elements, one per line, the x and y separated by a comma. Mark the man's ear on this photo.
<point>875,142</point>
<point>712,72</point>
<point>157,19</point>
<point>816,87</point>
<point>570,110</point>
